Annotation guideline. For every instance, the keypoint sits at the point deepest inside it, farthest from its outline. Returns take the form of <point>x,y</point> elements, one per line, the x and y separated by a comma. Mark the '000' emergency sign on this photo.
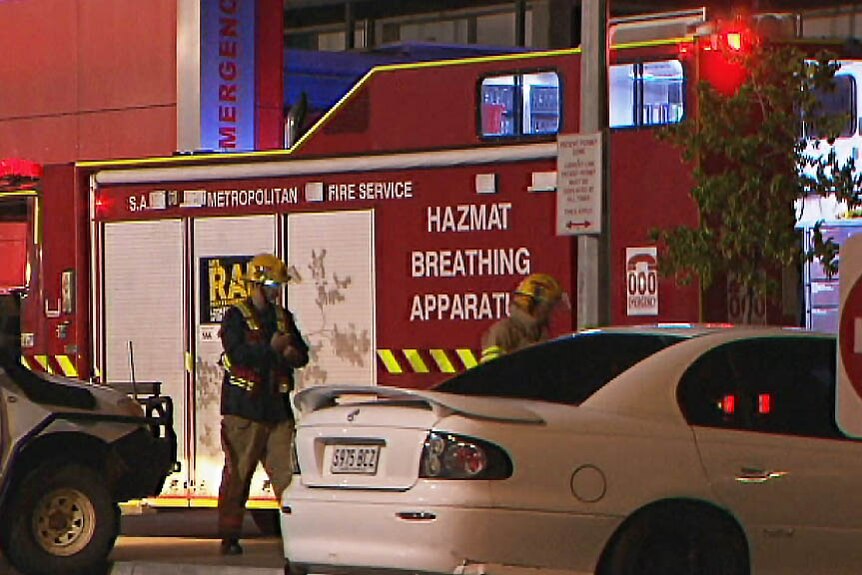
<point>642,281</point>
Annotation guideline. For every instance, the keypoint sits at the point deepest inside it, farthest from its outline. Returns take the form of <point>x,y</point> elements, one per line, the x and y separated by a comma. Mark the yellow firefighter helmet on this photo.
<point>267,269</point>
<point>540,288</point>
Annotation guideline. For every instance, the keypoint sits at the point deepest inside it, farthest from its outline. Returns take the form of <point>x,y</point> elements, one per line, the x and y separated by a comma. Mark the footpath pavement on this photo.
<point>186,543</point>
<point>144,556</point>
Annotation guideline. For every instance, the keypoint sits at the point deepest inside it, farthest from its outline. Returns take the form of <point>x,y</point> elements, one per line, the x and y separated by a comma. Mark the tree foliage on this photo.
<point>752,167</point>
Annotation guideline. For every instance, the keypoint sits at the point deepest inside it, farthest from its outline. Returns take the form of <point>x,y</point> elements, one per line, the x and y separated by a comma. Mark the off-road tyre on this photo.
<point>677,540</point>
<point>63,522</point>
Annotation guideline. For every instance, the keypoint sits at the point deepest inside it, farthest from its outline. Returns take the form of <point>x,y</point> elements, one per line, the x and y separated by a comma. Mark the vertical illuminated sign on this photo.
<point>227,75</point>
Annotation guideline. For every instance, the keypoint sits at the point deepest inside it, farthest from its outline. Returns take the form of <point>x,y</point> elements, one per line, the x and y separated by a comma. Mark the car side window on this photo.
<point>566,370</point>
<point>769,385</point>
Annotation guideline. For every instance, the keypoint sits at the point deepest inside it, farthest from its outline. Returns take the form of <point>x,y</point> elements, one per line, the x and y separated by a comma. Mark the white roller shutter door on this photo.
<point>334,302</point>
<point>143,286</point>
<point>219,237</point>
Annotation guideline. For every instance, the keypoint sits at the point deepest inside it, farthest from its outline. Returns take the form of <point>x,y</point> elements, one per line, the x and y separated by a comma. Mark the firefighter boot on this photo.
<point>230,546</point>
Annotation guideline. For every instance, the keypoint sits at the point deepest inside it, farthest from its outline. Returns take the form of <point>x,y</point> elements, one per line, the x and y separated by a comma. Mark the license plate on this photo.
<point>354,459</point>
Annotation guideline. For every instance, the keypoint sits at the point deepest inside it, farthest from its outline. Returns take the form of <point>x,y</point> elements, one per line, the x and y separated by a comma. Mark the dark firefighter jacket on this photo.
<point>257,378</point>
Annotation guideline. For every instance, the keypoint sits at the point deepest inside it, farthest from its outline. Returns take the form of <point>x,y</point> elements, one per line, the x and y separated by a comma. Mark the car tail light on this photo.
<point>728,404</point>
<point>764,403</point>
<point>448,456</point>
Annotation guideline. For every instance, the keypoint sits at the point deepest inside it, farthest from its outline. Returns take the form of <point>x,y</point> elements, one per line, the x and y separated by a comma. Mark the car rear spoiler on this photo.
<point>480,407</point>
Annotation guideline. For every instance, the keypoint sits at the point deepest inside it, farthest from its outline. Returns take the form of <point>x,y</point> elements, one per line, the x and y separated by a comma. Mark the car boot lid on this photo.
<point>443,404</point>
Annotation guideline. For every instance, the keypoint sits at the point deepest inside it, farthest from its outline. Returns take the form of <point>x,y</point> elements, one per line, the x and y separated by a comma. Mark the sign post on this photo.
<point>593,304</point>
<point>848,397</point>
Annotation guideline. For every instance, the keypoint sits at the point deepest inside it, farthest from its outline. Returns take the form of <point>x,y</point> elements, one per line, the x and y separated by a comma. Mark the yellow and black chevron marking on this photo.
<point>403,361</point>
<point>54,364</point>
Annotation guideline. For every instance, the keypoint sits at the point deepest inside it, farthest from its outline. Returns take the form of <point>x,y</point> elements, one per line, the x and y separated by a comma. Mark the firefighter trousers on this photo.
<point>245,443</point>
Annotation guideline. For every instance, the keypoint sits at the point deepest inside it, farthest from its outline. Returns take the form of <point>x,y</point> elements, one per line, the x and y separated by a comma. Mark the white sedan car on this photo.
<point>717,454</point>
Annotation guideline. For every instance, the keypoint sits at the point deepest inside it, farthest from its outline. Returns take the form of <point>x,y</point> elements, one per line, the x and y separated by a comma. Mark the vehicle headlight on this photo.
<point>449,456</point>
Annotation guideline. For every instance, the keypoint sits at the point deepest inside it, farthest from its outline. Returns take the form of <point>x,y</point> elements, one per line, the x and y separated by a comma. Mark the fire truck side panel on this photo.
<point>434,106</point>
<point>649,189</point>
<point>449,248</point>
<point>145,315</point>
<point>55,310</point>
<point>448,260</point>
<point>213,239</point>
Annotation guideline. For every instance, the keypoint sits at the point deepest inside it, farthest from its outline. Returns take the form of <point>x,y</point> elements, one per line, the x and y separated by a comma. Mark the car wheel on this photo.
<point>671,541</point>
<point>267,521</point>
<point>63,521</point>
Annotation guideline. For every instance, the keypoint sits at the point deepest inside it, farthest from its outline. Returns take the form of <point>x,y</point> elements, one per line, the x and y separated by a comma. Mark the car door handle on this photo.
<point>756,475</point>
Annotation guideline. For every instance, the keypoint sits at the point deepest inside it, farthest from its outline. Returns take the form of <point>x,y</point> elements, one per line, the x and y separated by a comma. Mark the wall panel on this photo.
<point>87,79</point>
<point>127,133</point>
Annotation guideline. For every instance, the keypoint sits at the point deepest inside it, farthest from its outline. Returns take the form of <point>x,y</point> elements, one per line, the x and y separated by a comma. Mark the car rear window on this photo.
<point>566,370</point>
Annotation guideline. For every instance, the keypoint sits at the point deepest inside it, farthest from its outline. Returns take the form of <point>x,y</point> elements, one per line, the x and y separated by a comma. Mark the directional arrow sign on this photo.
<point>579,184</point>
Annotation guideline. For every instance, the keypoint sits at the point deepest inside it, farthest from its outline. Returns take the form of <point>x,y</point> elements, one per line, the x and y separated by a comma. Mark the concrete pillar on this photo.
<point>188,75</point>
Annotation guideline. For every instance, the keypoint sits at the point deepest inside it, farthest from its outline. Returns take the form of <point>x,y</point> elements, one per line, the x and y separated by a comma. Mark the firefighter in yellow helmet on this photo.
<point>262,346</point>
<point>530,312</point>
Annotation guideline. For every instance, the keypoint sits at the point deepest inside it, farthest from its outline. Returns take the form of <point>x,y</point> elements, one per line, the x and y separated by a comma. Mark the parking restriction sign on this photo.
<point>642,281</point>
<point>579,184</point>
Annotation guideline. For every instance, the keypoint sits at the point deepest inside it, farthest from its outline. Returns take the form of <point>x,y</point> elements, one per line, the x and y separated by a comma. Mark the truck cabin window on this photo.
<point>16,214</point>
<point>646,94</point>
<point>518,105</point>
<point>837,102</point>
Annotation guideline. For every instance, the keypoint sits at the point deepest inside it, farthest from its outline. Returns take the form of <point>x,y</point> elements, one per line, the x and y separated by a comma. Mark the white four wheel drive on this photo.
<point>70,451</point>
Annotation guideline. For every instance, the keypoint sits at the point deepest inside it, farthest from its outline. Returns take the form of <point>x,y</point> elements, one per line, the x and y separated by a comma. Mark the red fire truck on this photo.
<point>409,211</point>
